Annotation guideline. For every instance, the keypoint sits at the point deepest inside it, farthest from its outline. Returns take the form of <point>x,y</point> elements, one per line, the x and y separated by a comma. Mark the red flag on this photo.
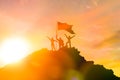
<point>65,26</point>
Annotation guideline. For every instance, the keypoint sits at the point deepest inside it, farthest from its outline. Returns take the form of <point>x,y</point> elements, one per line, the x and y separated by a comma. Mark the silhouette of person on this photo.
<point>69,40</point>
<point>52,43</point>
<point>60,42</point>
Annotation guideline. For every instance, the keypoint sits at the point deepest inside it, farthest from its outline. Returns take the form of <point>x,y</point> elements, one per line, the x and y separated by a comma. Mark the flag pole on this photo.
<point>57,30</point>
<point>56,33</point>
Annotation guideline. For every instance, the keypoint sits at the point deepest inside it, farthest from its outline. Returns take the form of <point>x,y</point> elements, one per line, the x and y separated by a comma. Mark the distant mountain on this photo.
<point>64,64</point>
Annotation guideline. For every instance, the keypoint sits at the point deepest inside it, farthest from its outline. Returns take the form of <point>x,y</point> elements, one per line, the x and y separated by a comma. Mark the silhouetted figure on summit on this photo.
<point>69,40</point>
<point>60,42</point>
<point>52,43</point>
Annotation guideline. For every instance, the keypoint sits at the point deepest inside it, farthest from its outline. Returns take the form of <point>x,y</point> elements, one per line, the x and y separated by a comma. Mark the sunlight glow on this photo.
<point>13,50</point>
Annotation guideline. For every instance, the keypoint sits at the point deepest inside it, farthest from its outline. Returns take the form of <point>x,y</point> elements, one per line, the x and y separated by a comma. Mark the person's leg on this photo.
<point>70,44</point>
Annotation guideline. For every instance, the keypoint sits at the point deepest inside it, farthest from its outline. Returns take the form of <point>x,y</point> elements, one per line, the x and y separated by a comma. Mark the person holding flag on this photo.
<point>68,28</point>
<point>60,42</point>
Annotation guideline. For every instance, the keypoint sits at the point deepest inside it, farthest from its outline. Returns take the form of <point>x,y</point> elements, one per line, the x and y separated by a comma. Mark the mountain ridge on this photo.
<point>63,64</point>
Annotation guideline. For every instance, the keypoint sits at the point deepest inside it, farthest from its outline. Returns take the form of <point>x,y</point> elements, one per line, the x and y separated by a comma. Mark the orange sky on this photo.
<point>93,20</point>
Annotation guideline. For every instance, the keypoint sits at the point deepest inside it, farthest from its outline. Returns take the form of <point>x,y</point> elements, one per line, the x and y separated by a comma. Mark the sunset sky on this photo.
<point>95,22</point>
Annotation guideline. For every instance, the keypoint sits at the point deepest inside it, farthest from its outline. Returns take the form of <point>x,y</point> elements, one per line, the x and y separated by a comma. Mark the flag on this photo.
<point>65,26</point>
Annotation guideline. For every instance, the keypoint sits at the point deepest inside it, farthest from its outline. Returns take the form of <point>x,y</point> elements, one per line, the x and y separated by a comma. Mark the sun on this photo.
<point>13,50</point>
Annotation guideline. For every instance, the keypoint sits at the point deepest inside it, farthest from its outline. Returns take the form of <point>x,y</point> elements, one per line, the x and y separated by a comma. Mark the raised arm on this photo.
<point>72,36</point>
<point>57,37</point>
<point>66,36</point>
<point>48,38</point>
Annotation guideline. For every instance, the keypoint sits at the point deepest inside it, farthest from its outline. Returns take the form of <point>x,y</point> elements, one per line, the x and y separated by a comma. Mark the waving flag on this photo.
<point>65,26</point>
